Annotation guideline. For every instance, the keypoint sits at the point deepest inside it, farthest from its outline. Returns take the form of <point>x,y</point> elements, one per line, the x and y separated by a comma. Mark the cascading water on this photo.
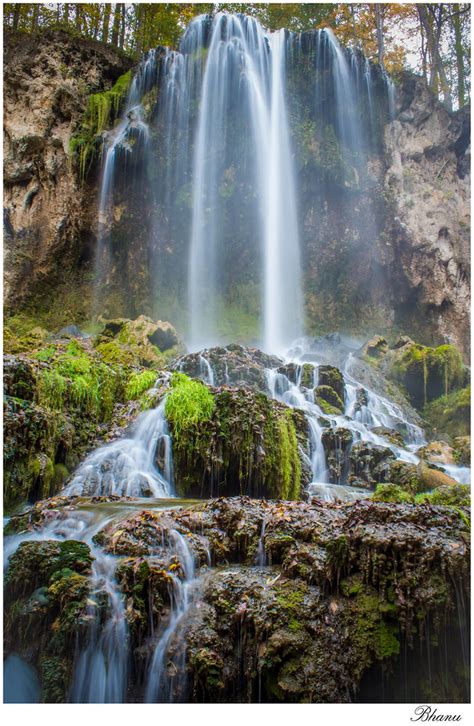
<point>137,466</point>
<point>244,76</point>
<point>221,170</point>
<point>100,673</point>
<point>160,687</point>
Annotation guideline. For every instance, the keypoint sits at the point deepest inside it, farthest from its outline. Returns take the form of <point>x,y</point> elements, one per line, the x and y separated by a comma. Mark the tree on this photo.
<point>116,25</point>
<point>379,21</point>
<point>105,23</point>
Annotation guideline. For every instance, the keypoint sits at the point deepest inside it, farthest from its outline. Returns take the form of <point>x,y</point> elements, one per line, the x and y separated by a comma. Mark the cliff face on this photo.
<point>428,182</point>
<point>48,214</point>
<point>390,251</point>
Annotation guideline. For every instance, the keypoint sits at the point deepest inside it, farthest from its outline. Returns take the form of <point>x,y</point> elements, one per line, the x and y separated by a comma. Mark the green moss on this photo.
<point>103,108</point>
<point>78,379</point>
<point>456,495</point>
<point>374,625</point>
<point>291,595</point>
<point>114,353</point>
<point>428,373</point>
<point>392,493</point>
<point>329,400</point>
<point>327,408</point>
<point>188,404</point>
<point>450,414</point>
<point>138,383</point>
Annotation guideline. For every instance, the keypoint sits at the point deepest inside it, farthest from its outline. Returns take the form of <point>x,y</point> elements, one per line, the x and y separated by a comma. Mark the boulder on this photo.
<point>148,342</point>
<point>233,365</point>
<point>331,376</point>
<point>376,347</point>
<point>328,400</point>
<point>369,464</point>
<point>437,452</point>
<point>337,444</point>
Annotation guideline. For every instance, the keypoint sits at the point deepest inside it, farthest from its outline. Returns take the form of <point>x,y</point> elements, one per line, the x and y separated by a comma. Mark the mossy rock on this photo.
<point>451,495</point>
<point>450,414</point>
<point>328,400</point>
<point>462,450</point>
<point>427,373</point>
<point>376,347</point>
<point>332,377</point>
<point>235,441</point>
<point>437,452</point>
<point>142,341</point>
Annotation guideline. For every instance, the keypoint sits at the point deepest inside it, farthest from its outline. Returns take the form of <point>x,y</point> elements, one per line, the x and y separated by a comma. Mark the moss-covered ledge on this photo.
<point>234,441</point>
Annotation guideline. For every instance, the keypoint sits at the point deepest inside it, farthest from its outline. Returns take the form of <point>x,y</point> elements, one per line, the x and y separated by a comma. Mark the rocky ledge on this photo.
<point>292,601</point>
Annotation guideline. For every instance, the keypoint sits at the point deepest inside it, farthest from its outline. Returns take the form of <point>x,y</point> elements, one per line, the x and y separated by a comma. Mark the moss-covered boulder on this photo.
<point>376,347</point>
<point>46,599</point>
<point>329,400</point>
<point>143,341</point>
<point>234,441</point>
<point>419,478</point>
<point>331,376</point>
<point>427,373</point>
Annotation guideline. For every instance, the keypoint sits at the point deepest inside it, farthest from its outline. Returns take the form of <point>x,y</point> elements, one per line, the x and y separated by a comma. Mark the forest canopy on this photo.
<point>430,38</point>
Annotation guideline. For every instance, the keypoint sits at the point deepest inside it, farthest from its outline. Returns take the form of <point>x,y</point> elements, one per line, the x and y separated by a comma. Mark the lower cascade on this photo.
<point>252,510</point>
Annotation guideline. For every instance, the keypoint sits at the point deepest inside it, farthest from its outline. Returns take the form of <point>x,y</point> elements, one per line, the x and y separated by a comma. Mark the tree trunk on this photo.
<point>379,18</point>
<point>122,27</point>
<point>431,17</point>
<point>78,23</point>
<point>35,17</point>
<point>16,16</point>
<point>105,26</point>
<point>116,25</point>
<point>459,54</point>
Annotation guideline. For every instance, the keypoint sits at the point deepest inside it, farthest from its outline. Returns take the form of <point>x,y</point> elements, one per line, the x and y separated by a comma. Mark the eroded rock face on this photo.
<point>49,216</point>
<point>428,159</point>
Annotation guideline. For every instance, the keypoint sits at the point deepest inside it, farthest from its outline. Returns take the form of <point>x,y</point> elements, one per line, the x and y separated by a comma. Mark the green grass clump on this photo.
<point>138,383</point>
<point>392,493</point>
<point>80,380</point>
<point>456,495</point>
<point>188,404</point>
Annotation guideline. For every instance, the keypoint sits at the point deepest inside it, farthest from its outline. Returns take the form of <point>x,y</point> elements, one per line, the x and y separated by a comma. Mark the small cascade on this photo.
<point>100,672</point>
<point>261,556</point>
<point>131,132</point>
<point>161,686</point>
<point>207,373</point>
<point>138,466</point>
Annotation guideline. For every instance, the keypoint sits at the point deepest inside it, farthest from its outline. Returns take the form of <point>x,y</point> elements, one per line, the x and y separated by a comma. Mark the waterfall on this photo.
<point>140,465</point>
<point>161,687</point>
<point>213,131</point>
<point>244,76</point>
<point>100,672</point>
